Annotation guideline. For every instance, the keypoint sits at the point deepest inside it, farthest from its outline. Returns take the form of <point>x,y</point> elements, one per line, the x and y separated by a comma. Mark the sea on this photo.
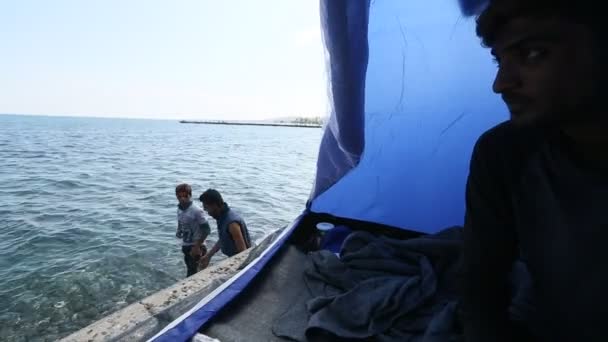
<point>88,208</point>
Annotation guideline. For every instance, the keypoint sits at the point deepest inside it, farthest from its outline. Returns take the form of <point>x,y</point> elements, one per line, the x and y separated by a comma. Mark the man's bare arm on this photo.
<point>237,236</point>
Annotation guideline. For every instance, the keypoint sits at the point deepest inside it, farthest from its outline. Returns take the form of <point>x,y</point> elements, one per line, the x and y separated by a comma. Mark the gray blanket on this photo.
<point>379,289</point>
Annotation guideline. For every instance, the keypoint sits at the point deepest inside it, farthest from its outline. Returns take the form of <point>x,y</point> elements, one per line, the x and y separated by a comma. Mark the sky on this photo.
<point>185,59</point>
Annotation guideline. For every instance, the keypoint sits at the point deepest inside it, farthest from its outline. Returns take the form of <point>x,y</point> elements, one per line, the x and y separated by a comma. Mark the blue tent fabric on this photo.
<point>472,7</point>
<point>345,34</point>
<point>427,99</point>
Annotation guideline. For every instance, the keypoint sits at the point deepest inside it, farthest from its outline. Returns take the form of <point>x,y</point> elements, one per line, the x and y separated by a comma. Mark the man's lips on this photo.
<point>516,103</point>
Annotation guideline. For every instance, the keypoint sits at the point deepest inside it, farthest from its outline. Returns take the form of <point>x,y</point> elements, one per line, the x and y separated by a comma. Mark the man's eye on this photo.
<point>532,54</point>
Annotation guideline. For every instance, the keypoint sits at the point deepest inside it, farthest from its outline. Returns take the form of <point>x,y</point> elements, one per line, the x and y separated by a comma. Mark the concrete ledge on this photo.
<point>143,319</point>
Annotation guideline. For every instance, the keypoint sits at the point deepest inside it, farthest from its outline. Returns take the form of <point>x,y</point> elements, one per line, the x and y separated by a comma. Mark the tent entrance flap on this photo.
<point>344,25</point>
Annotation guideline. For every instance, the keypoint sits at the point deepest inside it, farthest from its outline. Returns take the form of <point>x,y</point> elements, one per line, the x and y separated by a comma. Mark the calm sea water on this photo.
<point>87,208</point>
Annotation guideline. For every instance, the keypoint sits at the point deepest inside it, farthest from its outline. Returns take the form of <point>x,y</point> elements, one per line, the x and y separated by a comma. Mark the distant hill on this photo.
<point>302,120</point>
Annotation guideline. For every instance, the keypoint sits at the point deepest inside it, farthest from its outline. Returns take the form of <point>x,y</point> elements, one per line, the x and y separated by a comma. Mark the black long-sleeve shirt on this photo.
<point>530,195</point>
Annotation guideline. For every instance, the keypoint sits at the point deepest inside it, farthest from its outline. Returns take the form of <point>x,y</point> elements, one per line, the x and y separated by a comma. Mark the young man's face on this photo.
<point>183,197</point>
<point>547,71</point>
<point>213,210</point>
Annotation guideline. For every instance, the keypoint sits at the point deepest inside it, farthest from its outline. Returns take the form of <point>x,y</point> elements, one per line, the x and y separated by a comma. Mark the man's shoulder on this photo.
<point>199,212</point>
<point>230,210</point>
<point>234,215</point>
<point>194,210</point>
<point>499,135</point>
<point>506,140</point>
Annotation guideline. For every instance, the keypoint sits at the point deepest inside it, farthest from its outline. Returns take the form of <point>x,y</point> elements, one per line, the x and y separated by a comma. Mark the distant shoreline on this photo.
<point>278,124</point>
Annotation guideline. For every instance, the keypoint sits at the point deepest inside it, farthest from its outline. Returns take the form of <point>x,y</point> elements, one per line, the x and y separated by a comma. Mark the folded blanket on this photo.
<point>380,288</point>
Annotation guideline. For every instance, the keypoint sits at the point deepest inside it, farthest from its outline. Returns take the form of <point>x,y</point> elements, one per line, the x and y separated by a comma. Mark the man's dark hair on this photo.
<point>499,12</point>
<point>183,188</point>
<point>211,196</point>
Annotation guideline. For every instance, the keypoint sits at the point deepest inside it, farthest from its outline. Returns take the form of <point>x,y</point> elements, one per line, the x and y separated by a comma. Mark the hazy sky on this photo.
<point>222,59</point>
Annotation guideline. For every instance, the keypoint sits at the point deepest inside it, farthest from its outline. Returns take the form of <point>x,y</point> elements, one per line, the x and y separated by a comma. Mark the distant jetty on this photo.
<point>242,123</point>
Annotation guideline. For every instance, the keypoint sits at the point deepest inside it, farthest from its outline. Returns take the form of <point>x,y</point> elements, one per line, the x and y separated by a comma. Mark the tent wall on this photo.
<point>427,99</point>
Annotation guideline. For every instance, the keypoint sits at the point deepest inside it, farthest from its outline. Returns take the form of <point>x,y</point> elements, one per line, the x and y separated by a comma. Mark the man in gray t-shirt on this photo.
<point>192,228</point>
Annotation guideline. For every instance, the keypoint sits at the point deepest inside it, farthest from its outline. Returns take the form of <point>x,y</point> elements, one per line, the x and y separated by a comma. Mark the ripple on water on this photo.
<point>68,184</point>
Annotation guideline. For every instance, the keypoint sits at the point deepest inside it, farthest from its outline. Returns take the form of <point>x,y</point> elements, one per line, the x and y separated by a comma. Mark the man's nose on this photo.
<point>507,78</point>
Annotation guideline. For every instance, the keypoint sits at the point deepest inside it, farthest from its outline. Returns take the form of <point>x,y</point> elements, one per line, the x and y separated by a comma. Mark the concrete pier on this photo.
<point>143,319</point>
<point>243,123</point>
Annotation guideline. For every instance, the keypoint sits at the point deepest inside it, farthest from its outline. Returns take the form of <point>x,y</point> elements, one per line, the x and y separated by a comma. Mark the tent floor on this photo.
<point>252,314</point>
